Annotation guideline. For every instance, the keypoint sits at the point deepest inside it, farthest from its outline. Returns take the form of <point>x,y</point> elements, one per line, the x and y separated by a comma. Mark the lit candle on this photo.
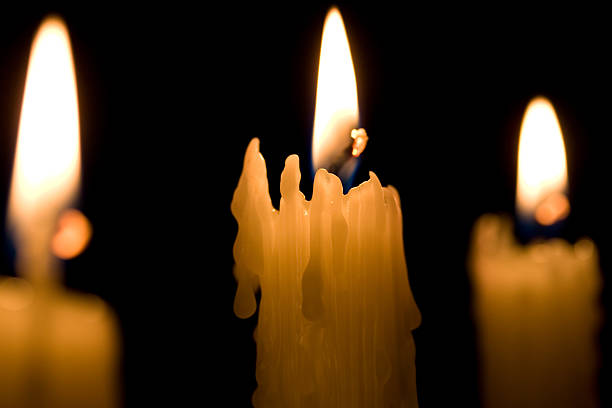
<point>336,310</point>
<point>536,305</point>
<point>57,349</point>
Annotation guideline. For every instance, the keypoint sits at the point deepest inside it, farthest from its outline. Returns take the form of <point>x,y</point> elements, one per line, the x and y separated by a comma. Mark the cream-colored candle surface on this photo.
<point>536,305</point>
<point>57,349</point>
<point>336,310</point>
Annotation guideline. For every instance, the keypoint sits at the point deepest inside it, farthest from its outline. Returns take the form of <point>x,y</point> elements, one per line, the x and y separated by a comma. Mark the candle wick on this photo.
<point>360,140</point>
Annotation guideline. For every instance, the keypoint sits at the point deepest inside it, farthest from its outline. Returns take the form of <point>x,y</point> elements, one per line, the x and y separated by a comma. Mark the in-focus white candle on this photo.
<point>336,309</point>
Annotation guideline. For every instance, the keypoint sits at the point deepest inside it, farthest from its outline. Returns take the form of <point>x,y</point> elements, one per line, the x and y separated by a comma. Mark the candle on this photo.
<point>336,310</point>
<point>535,305</point>
<point>57,348</point>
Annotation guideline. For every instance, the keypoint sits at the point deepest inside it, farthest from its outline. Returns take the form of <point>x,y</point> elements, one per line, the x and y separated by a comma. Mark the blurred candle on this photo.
<point>536,305</point>
<point>57,349</point>
<point>336,309</point>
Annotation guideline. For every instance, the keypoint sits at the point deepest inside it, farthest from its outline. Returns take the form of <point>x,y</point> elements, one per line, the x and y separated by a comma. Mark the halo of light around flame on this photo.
<point>542,166</point>
<point>46,170</point>
<point>336,110</point>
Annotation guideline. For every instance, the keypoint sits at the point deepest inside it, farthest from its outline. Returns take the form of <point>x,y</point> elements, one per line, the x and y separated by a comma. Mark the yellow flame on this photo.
<point>336,110</point>
<point>46,171</point>
<point>542,168</point>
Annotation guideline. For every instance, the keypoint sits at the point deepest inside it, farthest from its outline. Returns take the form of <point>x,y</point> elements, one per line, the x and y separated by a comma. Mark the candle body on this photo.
<point>57,349</point>
<point>336,309</point>
<point>536,313</point>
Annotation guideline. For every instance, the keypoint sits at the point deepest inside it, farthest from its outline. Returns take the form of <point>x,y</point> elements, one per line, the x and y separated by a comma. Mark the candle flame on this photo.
<point>542,168</point>
<point>336,110</point>
<point>46,170</point>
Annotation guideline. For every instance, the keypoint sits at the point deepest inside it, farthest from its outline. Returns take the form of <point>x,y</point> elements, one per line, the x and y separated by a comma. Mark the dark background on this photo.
<point>170,97</point>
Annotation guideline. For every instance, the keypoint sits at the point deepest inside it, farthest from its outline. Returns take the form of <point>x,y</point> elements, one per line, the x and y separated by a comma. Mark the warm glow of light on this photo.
<point>336,110</point>
<point>542,168</point>
<point>72,236</point>
<point>46,171</point>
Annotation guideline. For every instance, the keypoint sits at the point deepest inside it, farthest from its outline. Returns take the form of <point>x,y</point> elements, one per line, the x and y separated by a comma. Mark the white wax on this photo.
<point>336,309</point>
<point>537,315</point>
<point>57,349</point>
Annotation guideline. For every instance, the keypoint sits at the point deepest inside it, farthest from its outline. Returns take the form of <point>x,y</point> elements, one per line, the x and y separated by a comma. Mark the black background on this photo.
<point>170,97</point>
